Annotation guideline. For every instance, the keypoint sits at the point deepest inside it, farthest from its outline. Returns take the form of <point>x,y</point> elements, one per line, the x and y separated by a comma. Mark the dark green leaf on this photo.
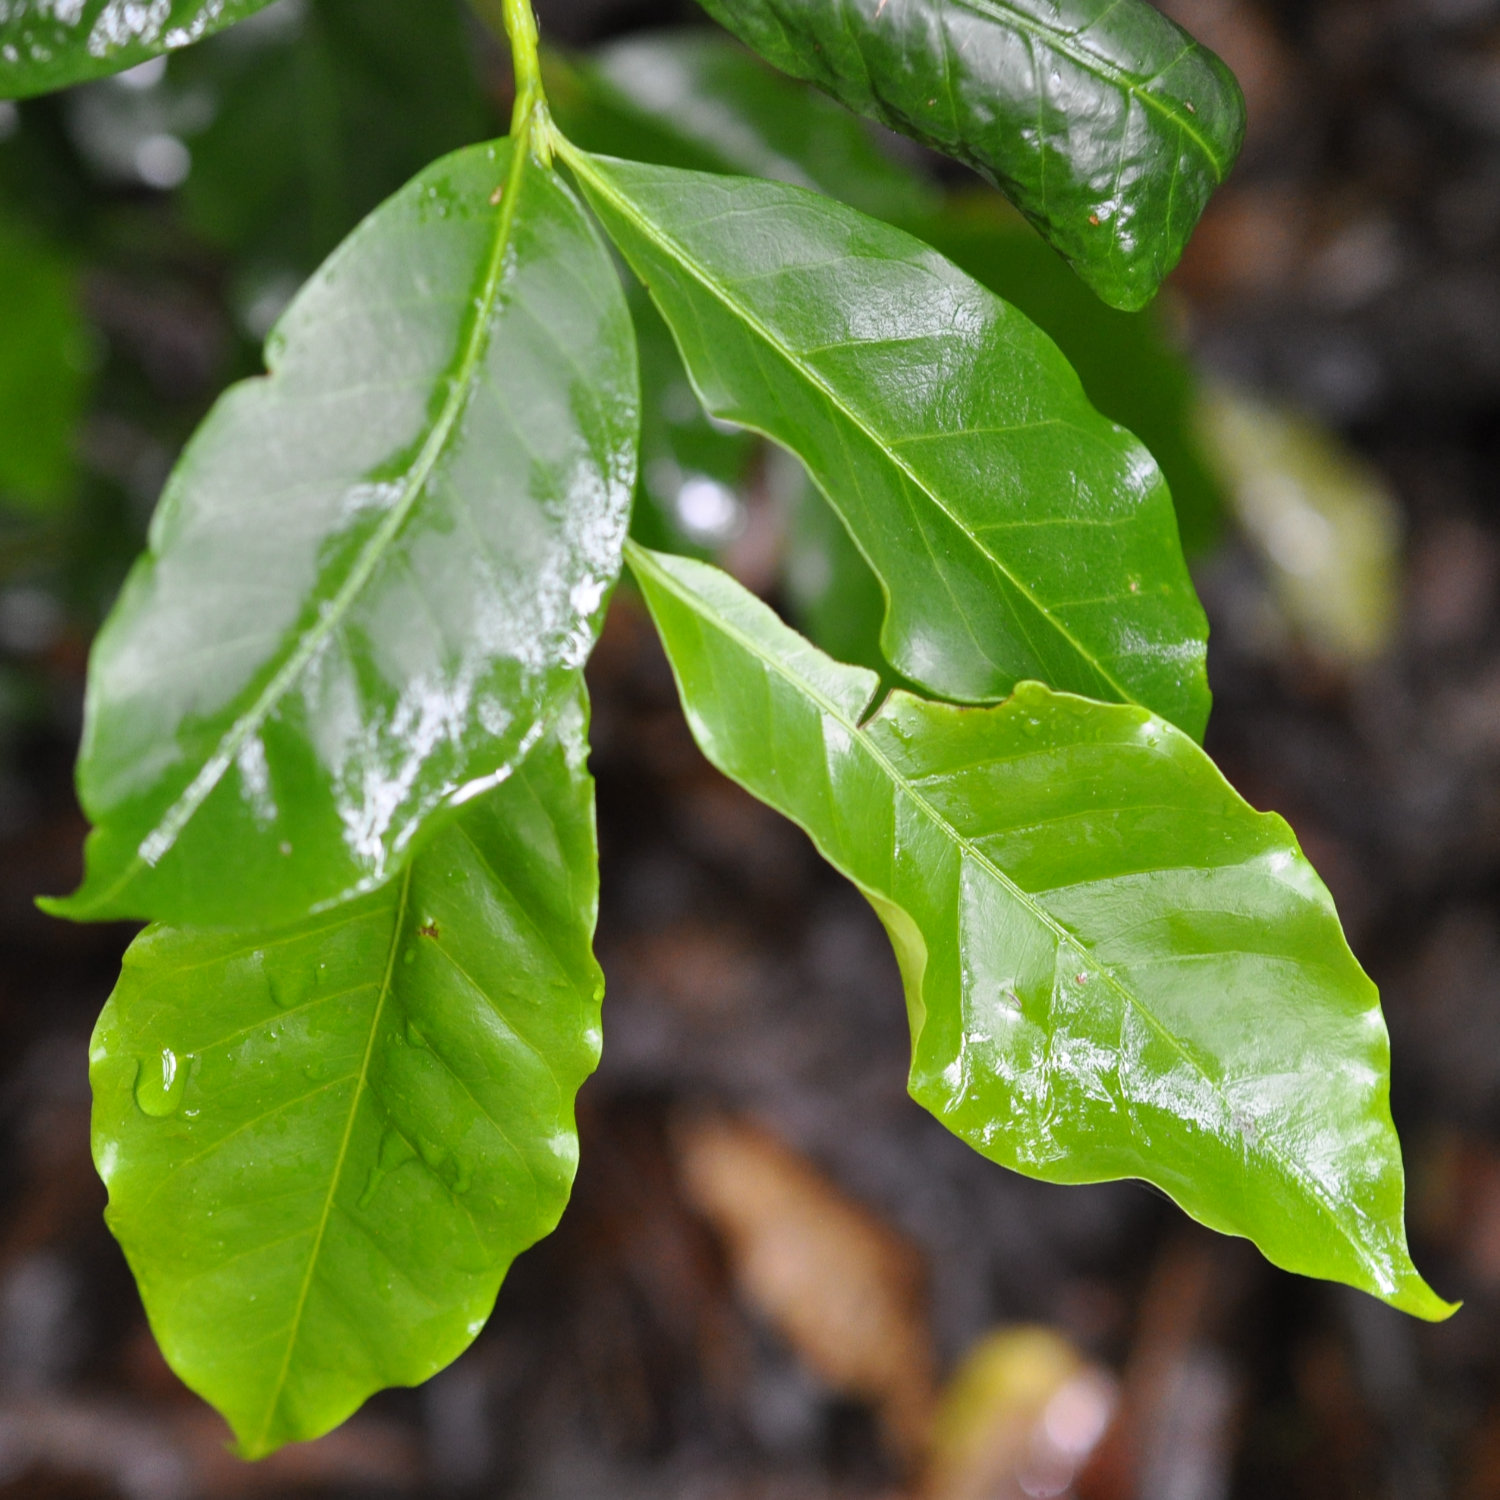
<point>315,124</point>
<point>1114,967</point>
<point>375,574</point>
<point>324,1145</point>
<point>695,99</point>
<point>44,361</point>
<point>1105,123</point>
<point>1016,532</point>
<point>45,44</point>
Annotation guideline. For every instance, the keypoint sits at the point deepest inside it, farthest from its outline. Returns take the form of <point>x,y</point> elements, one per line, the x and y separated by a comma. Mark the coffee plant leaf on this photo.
<point>324,1144</point>
<point>47,45</point>
<point>1104,122</point>
<point>1114,967</point>
<point>1017,533</point>
<point>375,573</point>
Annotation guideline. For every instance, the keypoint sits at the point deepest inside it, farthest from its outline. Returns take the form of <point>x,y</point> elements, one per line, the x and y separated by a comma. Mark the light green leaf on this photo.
<point>1017,533</point>
<point>45,44</point>
<point>696,99</point>
<point>1103,121</point>
<point>375,574</point>
<point>1114,967</point>
<point>324,1145</point>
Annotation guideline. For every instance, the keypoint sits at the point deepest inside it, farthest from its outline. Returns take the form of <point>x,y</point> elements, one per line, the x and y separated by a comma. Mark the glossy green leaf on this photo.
<point>325,1144</point>
<point>374,574</point>
<point>1103,121</point>
<point>48,44</point>
<point>44,369</point>
<point>698,100</point>
<point>1016,532</point>
<point>1114,967</point>
<point>1128,363</point>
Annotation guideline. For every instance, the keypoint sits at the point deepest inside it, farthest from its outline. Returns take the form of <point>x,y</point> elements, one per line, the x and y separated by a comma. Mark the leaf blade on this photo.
<point>377,571</point>
<point>1033,864</point>
<point>44,46</point>
<point>947,430</point>
<point>359,1142</point>
<point>1102,120</point>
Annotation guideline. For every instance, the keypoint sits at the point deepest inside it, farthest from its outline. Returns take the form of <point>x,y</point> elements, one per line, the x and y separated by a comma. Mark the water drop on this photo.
<point>395,1149</point>
<point>410,956</point>
<point>285,991</point>
<point>160,1083</point>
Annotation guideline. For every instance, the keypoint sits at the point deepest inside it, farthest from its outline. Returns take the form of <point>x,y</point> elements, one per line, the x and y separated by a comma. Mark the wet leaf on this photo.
<point>1017,533</point>
<point>1103,121</point>
<point>47,45</point>
<point>325,1144</point>
<point>1114,966</point>
<point>1128,362</point>
<point>374,574</point>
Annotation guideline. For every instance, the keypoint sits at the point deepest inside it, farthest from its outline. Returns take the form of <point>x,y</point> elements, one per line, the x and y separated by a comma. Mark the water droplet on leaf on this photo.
<point>160,1083</point>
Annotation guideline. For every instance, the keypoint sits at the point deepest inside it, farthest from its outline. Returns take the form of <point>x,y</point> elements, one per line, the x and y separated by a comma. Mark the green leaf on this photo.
<point>44,371</point>
<point>315,124</point>
<point>695,99</point>
<point>1103,121</point>
<point>1016,532</point>
<point>47,45</point>
<point>375,574</point>
<point>1114,967</point>
<point>1127,362</point>
<point>324,1145</point>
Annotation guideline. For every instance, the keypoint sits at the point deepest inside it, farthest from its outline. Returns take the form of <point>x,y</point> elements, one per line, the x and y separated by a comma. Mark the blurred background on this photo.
<point>779,1279</point>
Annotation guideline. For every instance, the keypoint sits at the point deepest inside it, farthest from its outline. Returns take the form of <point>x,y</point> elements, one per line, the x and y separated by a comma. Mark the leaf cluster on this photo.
<point>335,748</point>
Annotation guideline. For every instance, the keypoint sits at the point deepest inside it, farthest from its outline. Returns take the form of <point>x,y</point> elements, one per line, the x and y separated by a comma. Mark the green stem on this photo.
<point>531,97</point>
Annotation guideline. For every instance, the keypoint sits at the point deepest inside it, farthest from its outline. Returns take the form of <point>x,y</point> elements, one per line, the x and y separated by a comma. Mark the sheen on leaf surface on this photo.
<point>377,571</point>
<point>1016,532</point>
<point>48,44</point>
<point>325,1144</point>
<point>1102,120</point>
<point>1114,966</point>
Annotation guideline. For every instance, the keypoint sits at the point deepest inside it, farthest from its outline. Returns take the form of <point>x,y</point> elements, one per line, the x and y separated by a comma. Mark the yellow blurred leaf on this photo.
<point>1019,1419</point>
<point>1324,523</point>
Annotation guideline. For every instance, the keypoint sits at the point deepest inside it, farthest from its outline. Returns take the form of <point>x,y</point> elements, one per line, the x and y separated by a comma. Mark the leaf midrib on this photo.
<point>294,1329</point>
<point>171,824</point>
<point>640,559</point>
<point>1069,45</point>
<point>581,163</point>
